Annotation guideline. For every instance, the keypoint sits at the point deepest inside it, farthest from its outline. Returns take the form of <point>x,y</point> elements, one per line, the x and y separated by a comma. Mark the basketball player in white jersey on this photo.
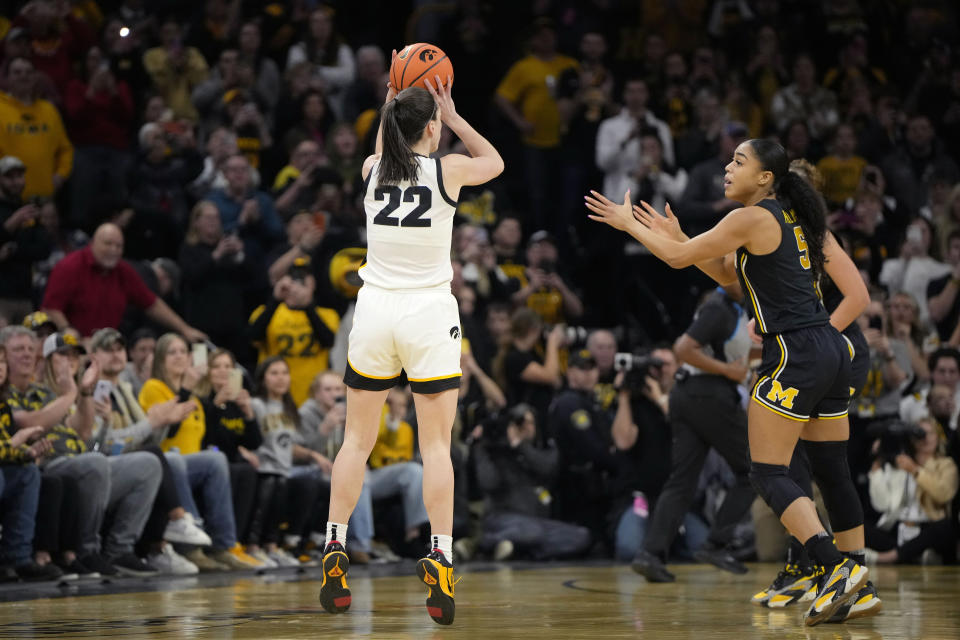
<point>406,318</point>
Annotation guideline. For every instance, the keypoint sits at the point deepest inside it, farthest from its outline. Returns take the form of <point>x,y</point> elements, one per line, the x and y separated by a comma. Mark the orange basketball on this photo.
<point>418,61</point>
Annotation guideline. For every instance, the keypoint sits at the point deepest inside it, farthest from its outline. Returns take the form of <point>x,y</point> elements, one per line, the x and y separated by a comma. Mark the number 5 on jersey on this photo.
<point>802,247</point>
<point>419,193</point>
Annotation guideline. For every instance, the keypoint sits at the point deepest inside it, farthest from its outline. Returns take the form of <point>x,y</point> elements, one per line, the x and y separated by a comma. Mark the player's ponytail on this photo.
<point>404,120</point>
<point>797,196</point>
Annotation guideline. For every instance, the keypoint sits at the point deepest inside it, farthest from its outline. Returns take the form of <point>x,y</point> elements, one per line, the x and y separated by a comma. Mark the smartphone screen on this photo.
<point>235,382</point>
<point>199,355</point>
<point>101,393</point>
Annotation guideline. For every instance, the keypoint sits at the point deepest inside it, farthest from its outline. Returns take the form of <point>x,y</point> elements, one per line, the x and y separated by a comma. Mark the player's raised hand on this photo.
<point>667,226</point>
<point>618,216</point>
<point>442,94</point>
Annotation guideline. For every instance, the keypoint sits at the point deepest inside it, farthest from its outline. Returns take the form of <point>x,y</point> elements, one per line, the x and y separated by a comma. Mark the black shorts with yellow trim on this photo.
<point>435,385</point>
<point>356,380</point>
<point>805,374</point>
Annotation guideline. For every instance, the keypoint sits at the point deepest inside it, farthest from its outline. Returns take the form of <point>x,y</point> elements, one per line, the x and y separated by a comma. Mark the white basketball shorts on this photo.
<point>417,331</point>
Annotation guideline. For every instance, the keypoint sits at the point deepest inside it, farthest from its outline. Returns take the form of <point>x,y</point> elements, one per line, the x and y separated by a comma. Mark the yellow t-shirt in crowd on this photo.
<point>188,437</point>
<point>531,85</point>
<point>290,336</point>
<point>840,177</point>
<point>392,446</point>
<point>34,133</point>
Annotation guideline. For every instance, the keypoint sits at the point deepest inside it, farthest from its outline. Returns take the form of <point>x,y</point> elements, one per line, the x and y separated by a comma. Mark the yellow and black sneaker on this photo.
<point>866,603</point>
<point>838,584</point>
<point>334,592</point>
<point>437,573</point>
<point>793,584</point>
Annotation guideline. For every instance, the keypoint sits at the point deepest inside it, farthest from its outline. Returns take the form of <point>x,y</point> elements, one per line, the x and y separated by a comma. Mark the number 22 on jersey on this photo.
<point>392,194</point>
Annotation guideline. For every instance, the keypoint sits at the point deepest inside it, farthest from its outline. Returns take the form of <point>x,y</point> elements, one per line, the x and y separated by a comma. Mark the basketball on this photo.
<point>415,62</point>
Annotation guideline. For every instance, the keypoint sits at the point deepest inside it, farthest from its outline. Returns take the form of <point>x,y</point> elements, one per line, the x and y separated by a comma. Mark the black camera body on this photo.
<point>636,368</point>
<point>896,437</point>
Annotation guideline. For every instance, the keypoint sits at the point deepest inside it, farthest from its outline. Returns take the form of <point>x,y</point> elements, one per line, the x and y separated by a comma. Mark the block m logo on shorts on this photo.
<point>783,397</point>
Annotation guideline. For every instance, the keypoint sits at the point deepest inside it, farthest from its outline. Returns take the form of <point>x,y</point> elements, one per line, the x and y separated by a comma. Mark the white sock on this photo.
<point>445,544</point>
<point>336,532</point>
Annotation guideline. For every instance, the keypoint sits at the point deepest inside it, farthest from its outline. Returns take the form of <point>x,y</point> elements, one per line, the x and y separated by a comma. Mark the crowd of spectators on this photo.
<point>181,227</point>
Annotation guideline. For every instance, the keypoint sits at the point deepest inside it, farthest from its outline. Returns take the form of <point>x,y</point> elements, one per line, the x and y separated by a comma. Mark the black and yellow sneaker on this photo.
<point>837,585</point>
<point>866,603</point>
<point>793,584</point>
<point>334,592</point>
<point>437,573</point>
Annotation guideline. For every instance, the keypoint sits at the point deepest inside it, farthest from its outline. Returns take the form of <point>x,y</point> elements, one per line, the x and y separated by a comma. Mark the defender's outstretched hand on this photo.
<point>618,216</point>
<point>667,226</point>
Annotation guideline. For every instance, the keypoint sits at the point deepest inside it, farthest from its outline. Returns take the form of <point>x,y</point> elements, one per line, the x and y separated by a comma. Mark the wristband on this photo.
<point>86,394</point>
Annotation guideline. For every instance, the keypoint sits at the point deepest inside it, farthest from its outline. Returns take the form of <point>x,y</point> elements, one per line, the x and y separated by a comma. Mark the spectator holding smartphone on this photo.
<point>293,327</point>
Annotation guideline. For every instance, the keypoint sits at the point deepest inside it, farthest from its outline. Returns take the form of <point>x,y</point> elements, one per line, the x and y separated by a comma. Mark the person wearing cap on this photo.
<point>293,327</point>
<point>43,146</point>
<point>123,426</point>
<point>582,431</point>
<point>542,288</point>
<point>125,486</point>
<point>513,473</point>
<point>90,289</point>
<point>40,323</point>
<point>216,272</point>
<point>23,240</point>
<point>20,483</point>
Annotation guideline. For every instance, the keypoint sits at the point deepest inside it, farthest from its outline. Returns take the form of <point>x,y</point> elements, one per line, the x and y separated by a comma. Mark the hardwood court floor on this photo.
<point>496,602</point>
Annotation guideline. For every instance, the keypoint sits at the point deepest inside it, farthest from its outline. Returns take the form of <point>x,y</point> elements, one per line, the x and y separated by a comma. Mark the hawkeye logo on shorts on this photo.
<point>455,332</point>
<point>783,397</point>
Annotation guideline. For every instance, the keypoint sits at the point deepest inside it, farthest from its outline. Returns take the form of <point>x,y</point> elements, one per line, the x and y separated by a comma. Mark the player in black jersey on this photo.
<point>844,296</point>
<point>774,245</point>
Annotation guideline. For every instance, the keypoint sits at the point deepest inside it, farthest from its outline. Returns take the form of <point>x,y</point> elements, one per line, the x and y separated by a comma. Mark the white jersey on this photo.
<point>409,229</point>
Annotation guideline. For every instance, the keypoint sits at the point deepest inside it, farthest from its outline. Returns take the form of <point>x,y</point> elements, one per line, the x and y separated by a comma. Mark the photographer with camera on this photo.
<point>514,475</point>
<point>542,288</point>
<point>293,327</point>
<point>912,484</point>
<point>705,413</point>
<point>641,437</point>
<point>521,371</point>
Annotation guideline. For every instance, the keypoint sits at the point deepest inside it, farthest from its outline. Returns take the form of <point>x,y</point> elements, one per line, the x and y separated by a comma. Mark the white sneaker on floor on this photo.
<point>259,554</point>
<point>169,562</point>
<point>186,531</point>
<point>283,559</point>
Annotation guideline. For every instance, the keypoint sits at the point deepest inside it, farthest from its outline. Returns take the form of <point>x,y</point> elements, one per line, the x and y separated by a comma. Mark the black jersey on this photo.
<point>780,286</point>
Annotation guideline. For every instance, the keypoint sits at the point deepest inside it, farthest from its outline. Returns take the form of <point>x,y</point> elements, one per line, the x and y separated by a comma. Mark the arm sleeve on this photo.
<point>608,146</point>
<point>260,320</point>
<point>137,291</point>
<point>542,462</point>
<point>711,323</point>
<point>59,288</point>
<point>64,149</point>
<point>134,434</point>
<point>323,334</point>
<point>512,84</point>
<point>196,263</point>
<point>939,483</point>
<point>488,475</point>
